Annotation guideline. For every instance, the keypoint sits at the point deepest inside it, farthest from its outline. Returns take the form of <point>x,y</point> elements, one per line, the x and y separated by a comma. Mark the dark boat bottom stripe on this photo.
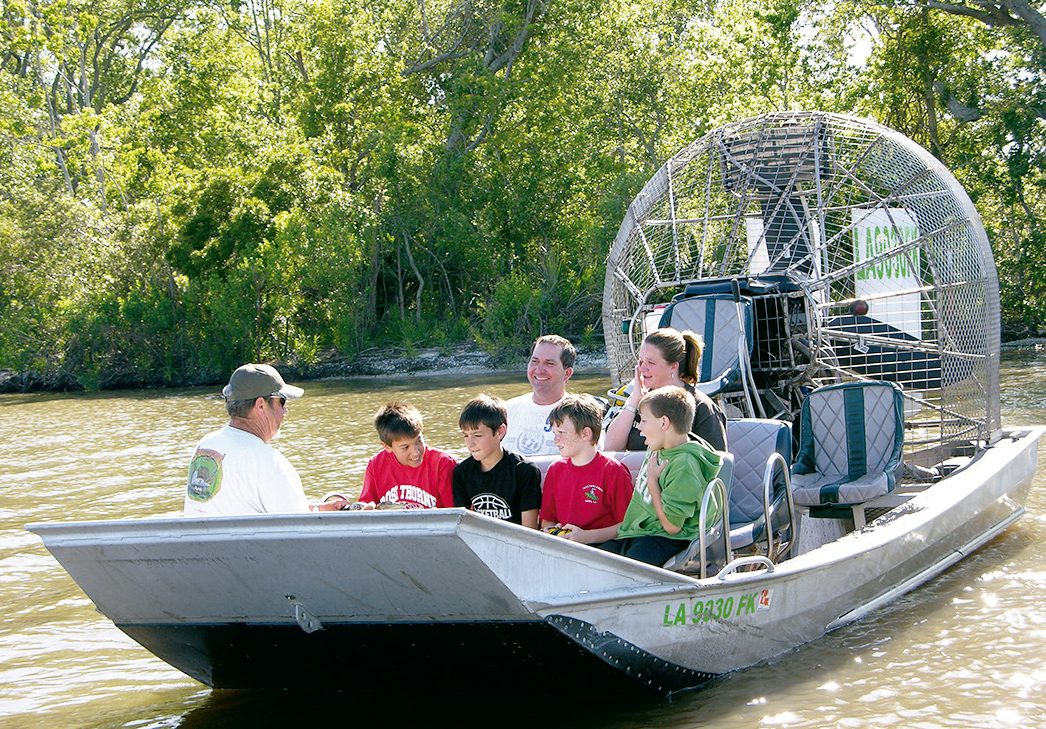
<point>562,655</point>
<point>660,675</point>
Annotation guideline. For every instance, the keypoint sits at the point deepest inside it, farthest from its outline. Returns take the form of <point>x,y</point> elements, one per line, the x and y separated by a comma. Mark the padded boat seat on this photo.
<point>633,460</point>
<point>725,324</point>
<point>760,489</point>
<point>850,445</point>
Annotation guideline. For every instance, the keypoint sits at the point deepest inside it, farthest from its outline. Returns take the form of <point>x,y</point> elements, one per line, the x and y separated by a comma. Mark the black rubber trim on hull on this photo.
<point>658,674</point>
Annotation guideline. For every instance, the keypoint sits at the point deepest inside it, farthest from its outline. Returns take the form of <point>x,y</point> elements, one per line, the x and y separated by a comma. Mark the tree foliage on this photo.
<point>186,185</point>
<point>967,82</point>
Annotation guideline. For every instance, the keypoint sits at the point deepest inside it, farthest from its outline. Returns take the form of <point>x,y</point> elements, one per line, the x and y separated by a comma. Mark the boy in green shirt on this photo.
<point>663,516</point>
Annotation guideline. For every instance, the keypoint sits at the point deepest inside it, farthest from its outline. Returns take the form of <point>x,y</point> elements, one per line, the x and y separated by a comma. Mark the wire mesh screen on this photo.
<point>864,257</point>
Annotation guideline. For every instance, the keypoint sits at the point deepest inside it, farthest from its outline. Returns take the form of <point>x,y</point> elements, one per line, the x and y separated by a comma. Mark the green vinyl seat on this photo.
<point>850,445</point>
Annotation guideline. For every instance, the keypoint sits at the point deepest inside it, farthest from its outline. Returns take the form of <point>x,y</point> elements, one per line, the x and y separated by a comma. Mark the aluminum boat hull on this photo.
<point>336,599</point>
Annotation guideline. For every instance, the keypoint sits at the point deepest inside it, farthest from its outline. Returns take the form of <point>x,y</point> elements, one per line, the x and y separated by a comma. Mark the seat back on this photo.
<point>725,324</point>
<point>850,445</point>
<point>752,442</point>
<point>632,460</point>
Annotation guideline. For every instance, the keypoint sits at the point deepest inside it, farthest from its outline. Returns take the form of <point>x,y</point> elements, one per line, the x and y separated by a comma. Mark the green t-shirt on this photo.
<point>689,469</point>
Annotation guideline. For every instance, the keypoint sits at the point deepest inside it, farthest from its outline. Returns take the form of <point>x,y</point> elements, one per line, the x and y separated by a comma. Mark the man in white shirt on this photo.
<point>234,470</point>
<point>551,365</point>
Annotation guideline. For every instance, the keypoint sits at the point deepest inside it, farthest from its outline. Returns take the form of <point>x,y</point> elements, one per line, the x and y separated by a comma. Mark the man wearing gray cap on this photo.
<point>234,470</point>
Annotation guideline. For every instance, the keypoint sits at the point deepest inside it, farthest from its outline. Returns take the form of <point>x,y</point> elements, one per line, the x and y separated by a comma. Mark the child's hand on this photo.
<point>574,533</point>
<point>655,466</point>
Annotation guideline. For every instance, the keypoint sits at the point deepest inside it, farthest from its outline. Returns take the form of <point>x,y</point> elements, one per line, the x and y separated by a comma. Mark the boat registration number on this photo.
<point>720,608</point>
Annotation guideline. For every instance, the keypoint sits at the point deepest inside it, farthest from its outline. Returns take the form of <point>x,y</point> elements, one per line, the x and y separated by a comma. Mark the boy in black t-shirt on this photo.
<point>491,480</point>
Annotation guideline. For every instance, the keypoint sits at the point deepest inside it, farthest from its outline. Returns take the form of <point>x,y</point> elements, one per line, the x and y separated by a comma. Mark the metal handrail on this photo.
<point>740,562</point>
<point>768,480</point>
<point>718,484</point>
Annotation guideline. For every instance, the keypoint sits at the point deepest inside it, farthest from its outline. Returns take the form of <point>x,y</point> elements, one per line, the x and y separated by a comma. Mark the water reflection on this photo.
<point>356,707</point>
<point>963,651</point>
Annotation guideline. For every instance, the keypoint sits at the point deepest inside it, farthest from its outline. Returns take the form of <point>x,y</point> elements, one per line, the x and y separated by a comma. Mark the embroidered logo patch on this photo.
<point>592,493</point>
<point>205,475</point>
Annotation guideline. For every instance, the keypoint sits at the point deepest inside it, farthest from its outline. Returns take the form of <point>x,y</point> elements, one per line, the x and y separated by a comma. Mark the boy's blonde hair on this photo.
<point>583,410</point>
<point>674,403</point>
<point>396,421</point>
<point>484,410</point>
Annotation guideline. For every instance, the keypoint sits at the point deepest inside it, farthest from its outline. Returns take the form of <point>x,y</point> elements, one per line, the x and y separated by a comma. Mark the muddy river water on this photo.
<point>966,650</point>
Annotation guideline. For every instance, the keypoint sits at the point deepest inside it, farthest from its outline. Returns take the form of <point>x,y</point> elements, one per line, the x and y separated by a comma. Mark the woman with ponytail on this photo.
<point>667,357</point>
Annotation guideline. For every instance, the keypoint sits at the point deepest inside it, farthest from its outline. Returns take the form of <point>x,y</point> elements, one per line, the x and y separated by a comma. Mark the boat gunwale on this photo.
<point>922,508</point>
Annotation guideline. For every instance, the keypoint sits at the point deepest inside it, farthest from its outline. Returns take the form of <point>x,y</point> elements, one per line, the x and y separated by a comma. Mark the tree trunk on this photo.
<point>417,273</point>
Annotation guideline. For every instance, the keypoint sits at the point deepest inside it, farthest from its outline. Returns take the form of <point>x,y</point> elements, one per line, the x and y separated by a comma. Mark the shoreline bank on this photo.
<point>460,358</point>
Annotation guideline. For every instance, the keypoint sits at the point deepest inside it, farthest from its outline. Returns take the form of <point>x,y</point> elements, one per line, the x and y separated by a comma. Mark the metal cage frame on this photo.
<point>866,258</point>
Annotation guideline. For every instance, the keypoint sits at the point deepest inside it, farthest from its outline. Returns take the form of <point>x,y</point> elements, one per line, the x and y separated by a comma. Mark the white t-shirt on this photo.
<point>529,433</point>
<point>233,472</point>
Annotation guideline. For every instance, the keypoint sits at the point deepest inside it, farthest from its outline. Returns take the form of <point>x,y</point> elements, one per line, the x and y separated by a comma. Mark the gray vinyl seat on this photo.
<point>850,446</point>
<point>760,491</point>
<point>712,548</point>
<point>725,323</point>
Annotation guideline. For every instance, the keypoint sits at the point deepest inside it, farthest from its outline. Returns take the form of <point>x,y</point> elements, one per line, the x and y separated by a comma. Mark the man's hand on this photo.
<point>332,504</point>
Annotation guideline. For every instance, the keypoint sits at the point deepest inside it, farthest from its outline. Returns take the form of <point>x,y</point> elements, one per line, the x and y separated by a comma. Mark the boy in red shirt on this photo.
<point>586,493</point>
<point>406,473</point>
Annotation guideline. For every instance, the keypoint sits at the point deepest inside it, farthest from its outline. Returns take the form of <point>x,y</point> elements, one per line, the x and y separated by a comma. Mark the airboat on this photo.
<point>846,292</point>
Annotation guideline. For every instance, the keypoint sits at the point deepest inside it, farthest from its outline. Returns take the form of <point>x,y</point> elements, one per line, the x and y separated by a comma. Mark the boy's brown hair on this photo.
<point>583,410</point>
<point>396,421</point>
<point>484,410</point>
<point>674,403</point>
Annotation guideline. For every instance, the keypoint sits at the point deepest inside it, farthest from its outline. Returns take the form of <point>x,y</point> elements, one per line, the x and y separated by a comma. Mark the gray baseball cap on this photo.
<point>252,381</point>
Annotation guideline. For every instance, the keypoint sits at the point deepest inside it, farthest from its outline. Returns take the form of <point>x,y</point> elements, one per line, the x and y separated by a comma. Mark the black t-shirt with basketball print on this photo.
<point>504,492</point>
